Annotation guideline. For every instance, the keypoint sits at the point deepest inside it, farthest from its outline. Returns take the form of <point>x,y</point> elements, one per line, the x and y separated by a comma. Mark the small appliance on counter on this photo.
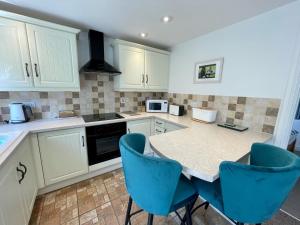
<point>204,115</point>
<point>233,126</point>
<point>157,105</point>
<point>176,110</point>
<point>20,113</point>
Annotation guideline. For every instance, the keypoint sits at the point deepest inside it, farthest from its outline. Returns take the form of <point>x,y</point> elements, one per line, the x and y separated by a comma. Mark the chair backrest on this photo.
<point>253,193</point>
<point>150,181</point>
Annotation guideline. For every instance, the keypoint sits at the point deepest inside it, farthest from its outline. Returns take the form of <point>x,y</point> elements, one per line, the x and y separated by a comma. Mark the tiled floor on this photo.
<point>103,200</point>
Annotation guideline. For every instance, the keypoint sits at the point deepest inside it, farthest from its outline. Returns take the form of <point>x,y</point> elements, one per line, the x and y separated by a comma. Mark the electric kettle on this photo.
<point>19,113</point>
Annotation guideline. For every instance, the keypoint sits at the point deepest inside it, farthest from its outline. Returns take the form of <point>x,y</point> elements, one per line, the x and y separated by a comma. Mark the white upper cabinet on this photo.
<point>143,68</point>
<point>132,66</point>
<point>15,68</point>
<point>156,70</point>
<point>53,57</point>
<point>36,55</point>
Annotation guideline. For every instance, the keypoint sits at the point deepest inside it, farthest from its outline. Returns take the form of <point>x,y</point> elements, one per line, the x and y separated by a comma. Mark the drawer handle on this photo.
<point>36,70</point>
<point>26,67</point>
<point>22,175</point>
<point>25,168</point>
<point>158,131</point>
<point>82,137</point>
<point>158,123</point>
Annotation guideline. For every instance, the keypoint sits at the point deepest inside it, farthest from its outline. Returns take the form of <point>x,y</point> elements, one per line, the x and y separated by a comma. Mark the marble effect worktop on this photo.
<point>193,145</point>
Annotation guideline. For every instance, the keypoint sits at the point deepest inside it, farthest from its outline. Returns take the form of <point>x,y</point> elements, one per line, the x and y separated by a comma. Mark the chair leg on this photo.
<point>206,205</point>
<point>127,218</point>
<point>188,215</point>
<point>150,219</point>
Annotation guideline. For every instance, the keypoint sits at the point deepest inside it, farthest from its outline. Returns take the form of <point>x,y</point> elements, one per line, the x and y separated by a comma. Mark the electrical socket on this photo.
<point>122,100</point>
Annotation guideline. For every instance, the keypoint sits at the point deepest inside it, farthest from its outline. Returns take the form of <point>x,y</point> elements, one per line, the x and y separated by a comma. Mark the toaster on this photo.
<point>177,110</point>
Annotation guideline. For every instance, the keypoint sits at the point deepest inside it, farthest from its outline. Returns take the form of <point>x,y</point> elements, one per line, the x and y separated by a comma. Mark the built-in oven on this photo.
<point>103,142</point>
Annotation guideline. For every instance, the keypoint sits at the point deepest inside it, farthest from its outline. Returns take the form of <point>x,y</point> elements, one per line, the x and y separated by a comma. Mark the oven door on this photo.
<point>103,142</point>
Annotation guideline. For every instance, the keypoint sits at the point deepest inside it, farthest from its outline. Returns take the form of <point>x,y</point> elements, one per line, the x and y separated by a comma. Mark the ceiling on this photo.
<point>125,19</point>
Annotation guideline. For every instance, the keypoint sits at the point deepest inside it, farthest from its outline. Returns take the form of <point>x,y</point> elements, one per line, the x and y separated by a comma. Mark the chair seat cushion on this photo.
<point>210,191</point>
<point>185,193</point>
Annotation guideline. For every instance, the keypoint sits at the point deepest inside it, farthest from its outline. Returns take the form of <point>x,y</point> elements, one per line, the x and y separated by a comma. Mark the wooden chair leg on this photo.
<point>127,218</point>
<point>150,219</point>
<point>188,215</point>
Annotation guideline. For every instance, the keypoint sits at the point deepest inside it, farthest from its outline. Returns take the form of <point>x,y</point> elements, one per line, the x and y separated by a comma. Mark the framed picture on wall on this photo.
<point>208,71</point>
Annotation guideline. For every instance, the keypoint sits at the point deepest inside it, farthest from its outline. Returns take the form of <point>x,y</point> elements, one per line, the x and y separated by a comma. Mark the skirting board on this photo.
<point>74,180</point>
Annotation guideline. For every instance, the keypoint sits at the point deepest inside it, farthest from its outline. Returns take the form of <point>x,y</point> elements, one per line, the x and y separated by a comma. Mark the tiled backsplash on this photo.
<point>97,96</point>
<point>259,114</point>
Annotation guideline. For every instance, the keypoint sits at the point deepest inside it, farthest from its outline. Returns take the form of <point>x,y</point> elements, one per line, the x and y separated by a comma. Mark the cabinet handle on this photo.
<point>82,137</point>
<point>26,67</point>
<point>158,123</point>
<point>143,78</point>
<point>22,175</point>
<point>129,131</point>
<point>147,79</point>
<point>165,130</point>
<point>36,70</point>
<point>25,168</point>
<point>158,131</point>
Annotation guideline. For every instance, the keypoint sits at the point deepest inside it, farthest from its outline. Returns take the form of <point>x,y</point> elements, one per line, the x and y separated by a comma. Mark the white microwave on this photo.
<point>156,105</point>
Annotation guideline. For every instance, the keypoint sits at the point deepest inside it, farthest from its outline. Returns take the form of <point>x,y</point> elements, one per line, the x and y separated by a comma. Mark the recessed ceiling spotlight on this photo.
<point>143,34</point>
<point>166,19</point>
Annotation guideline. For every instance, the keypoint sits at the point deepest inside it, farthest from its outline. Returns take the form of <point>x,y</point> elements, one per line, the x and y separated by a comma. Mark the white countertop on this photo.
<point>201,147</point>
<point>191,146</point>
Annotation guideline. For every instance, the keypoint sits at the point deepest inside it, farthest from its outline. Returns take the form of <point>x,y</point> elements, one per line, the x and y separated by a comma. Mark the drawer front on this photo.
<point>159,123</point>
<point>159,130</point>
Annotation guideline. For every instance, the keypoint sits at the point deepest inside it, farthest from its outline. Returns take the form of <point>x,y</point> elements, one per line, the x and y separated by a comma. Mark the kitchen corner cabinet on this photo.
<point>18,187</point>
<point>141,126</point>
<point>34,57</point>
<point>63,154</point>
<point>143,68</point>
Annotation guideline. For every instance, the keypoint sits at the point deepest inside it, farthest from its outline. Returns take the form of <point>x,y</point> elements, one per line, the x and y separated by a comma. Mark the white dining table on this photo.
<point>201,149</point>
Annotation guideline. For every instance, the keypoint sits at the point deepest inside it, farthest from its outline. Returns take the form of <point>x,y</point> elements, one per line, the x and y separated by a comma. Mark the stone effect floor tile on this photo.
<point>102,200</point>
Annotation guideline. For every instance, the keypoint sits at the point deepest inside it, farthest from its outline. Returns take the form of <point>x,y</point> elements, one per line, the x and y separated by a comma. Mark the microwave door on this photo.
<point>155,106</point>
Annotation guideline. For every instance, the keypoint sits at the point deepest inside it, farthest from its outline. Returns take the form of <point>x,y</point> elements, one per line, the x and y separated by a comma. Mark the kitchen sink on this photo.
<point>6,139</point>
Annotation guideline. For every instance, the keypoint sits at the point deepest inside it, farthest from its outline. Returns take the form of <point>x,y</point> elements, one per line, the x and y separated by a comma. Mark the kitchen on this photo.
<point>81,90</point>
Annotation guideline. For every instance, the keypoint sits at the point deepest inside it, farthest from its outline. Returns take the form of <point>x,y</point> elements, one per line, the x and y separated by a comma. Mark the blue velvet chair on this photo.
<point>156,185</point>
<point>253,193</point>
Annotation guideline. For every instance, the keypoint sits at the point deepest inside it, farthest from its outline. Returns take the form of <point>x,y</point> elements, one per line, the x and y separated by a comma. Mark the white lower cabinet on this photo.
<point>29,183</point>
<point>63,154</point>
<point>161,126</point>
<point>144,127</point>
<point>18,188</point>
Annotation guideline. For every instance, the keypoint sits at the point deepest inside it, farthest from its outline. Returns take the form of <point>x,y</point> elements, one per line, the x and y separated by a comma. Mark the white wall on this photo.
<point>257,56</point>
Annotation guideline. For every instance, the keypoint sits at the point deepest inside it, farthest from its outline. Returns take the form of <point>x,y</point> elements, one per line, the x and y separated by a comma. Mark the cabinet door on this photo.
<point>143,127</point>
<point>131,64</point>
<point>156,70</point>
<point>11,201</point>
<point>29,183</point>
<point>53,57</point>
<point>63,154</point>
<point>15,66</point>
